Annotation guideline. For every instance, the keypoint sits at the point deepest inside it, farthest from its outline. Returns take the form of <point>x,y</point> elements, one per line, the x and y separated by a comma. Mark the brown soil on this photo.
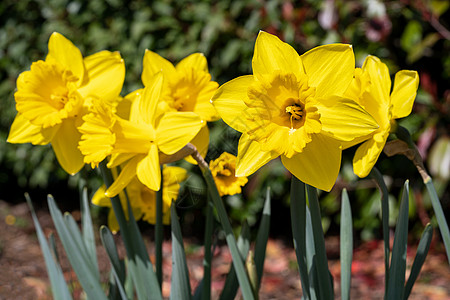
<point>23,274</point>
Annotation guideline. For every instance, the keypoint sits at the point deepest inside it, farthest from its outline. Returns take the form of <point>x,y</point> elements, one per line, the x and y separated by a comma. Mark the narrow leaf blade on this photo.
<point>398,263</point>
<point>346,245</point>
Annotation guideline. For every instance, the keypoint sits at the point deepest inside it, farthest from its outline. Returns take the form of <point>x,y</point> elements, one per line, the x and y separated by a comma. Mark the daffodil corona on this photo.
<point>54,95</point>
<point>223,170</point>
<point>293,106</point>
<point>371,88</point>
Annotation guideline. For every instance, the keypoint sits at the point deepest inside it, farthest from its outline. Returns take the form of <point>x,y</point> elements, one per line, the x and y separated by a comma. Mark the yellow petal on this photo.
<point>203,106</point>
<point>65,145</point>
<point>126,175</point>
<point>106,73</point>
<point>380,82</point>
<point>154,63</point>
<point>100,198</point>
<point>176,129</point>
<point>367,155</point>
<point>148,170</point>
<point>149,101</point>
<point>344,119</point>
<point>196,61</point>
<point>272,54</point>
<point>117,159</point>
<point>404,92</point>
<point>201,142</point>
<point>329,68</point>
<point>250,157</point>
<point>22,131</point>
<point>229,102</point>
<point>318,165</point>
<point>64,52</point>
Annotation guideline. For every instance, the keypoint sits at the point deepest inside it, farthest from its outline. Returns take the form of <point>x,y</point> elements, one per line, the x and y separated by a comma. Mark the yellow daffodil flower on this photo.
<point>143,200</point>
<point>292,106</point>
<point>223,170</point>
<point>54,94</point>
<point>135,144</point>
<point>187,87</point>
<point>371,88</point>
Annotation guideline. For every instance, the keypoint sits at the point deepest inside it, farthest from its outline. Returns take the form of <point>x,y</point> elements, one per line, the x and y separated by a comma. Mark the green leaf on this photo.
<point>442,222</point>
<point>88,230</point>
<point>325,284</point>
<point>398,262</point>
<point>311,257</point>
<point>376,175</point>
<point>144,279</point>
<point>422,251</point>
<point>262,238</point>
<point>76,253</point>
<point>55,274</point>
<point>118,268</point>
<point>180,287</point>
<point>231,285</point>
<point>244,282</point>
<point>139,265</point>
<point>209,227</point>
<point>346,245</point>
<point>298,219</point>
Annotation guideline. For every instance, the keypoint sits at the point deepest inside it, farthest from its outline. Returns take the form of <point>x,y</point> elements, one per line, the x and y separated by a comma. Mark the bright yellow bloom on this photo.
<point>53,96</point>
<point>135,144</point>
<point>371,88</point>
<point>143,200</point>
<point>187,87</point>
<point>223,170</point>
<point>292,106</point>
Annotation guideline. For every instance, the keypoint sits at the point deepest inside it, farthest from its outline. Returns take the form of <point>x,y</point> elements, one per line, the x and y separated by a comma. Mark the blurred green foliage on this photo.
<point>404,34</point>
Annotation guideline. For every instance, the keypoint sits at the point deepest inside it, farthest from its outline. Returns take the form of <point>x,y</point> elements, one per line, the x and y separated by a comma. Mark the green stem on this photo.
<point>159,233</point>
<point>206,288</point>
<point>117,207</point>
<point>244,282</point>
<point>378,177</point>
<point>443,226</point>
<point>298,224</point>
<point>325,284</point>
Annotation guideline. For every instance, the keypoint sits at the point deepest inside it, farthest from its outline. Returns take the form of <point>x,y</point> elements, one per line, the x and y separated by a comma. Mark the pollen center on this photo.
<point>294,110</point>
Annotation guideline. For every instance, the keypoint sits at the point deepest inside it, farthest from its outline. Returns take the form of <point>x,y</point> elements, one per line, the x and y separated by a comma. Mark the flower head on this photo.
<point>187,88</point>
<point>143,200</point>
<point>371,88</point>
<point>54,94</point>
<point>223,170</point>
<point>135,144</point>
<point>292,106</point>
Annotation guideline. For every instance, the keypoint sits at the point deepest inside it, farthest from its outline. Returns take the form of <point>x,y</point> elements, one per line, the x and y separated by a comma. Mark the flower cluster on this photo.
<point>303,108</point>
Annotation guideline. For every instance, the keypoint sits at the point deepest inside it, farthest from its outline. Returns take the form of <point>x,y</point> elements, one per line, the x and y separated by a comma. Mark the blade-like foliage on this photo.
<point>55,274</point>
<point>180,286</point>
<point>346,245</point>
<point>76,252</point>
<point>398,262</point>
